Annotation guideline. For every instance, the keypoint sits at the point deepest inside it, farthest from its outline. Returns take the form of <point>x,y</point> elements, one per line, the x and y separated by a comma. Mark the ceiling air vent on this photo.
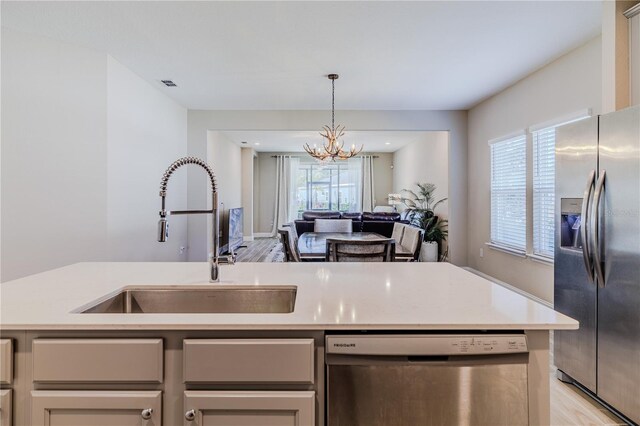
<point>169,83</point>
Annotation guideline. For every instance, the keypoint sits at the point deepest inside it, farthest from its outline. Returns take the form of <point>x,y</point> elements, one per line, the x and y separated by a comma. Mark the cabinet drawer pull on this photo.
<point>146,413</point>
<point>190,415</point>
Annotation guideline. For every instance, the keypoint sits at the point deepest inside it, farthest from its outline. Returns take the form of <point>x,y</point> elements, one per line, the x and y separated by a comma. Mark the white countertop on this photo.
<point>399,296</point>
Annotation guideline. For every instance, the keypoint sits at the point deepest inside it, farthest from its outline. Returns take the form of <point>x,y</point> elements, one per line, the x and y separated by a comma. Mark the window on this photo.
<point>509,193</point>
<point>544,145</point>
<point>327,187</point>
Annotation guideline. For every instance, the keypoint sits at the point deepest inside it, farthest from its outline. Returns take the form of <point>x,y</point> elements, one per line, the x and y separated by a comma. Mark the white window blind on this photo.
<point>509,193</point>
<point>544,169</point>
<point>544,145</point>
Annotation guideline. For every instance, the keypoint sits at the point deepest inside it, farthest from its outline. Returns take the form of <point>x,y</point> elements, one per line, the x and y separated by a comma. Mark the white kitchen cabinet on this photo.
<point>249,408</point>
<point>96,408</point>
<point>5,407</point>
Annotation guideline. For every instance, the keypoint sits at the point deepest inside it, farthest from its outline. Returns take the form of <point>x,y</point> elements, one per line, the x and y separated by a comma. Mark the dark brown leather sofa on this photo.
<point>380,223</point>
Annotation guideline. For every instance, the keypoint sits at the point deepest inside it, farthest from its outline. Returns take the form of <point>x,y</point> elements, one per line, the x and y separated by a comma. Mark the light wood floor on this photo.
<point>572,407</point>
<point>569,405</point>
<point>257,250</point>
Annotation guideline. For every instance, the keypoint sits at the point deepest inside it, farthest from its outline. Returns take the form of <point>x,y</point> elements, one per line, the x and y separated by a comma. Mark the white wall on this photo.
<point>146,132</point>
<point>84,144</point>
<point>199,122</point>
<point>54,147</point>
<point>426,160</point>
<point>382,177</point>
<point>567,85</point>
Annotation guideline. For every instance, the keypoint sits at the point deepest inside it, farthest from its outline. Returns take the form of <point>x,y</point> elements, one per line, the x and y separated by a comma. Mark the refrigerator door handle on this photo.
<point>586,252</point>
<point>595,229</point>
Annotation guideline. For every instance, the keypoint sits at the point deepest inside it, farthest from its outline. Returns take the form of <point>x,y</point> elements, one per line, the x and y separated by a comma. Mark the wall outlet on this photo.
<point>182,250</point>
<point>481,251</point>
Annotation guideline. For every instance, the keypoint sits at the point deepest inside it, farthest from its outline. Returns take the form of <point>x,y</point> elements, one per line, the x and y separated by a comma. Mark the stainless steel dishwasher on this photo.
<point>427,379</point>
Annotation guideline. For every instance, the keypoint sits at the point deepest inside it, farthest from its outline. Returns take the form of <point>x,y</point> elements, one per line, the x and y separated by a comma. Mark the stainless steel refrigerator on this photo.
<point>597,257</point>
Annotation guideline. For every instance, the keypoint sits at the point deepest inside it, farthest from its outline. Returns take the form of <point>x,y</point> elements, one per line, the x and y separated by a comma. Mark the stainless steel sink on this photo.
<point>194,300</point>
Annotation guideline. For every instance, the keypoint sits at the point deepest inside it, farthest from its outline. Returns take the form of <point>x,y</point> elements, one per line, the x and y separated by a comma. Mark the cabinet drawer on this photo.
<point>97,360</point>
<point>6,361</point>
<point>248,361</point>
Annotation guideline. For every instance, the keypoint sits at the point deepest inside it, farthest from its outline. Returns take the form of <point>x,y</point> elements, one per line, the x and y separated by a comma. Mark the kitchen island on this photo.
<point>60,354</point>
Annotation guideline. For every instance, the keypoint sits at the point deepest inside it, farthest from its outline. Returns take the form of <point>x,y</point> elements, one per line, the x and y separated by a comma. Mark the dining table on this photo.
<point>313,245</point>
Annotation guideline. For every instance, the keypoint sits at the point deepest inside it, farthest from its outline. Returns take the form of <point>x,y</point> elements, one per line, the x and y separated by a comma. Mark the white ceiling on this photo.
<point>285,141</point>
<point>274,55</point>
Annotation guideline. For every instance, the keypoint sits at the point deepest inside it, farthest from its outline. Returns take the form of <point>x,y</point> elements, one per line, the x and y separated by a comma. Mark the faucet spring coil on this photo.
<point>181,162</point>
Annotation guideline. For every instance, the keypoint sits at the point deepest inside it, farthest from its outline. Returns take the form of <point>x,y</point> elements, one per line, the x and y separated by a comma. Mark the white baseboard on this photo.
<point>509,286</point>
<point>262,235</point>
<point>247,238</point>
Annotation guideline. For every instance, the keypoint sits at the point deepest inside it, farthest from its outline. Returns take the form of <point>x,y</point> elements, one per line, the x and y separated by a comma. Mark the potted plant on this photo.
<point>435,233</point>
<point>420,206</point>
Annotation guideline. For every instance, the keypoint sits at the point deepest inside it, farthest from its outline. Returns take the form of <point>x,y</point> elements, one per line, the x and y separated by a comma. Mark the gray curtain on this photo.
<point>285,196</point>
<point>368,189</point>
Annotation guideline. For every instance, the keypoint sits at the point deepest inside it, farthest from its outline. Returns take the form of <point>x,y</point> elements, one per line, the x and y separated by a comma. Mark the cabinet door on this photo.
<point>5,407</point>
<point>239,408</point>
<point>96,408</point>
<point>6,361</point>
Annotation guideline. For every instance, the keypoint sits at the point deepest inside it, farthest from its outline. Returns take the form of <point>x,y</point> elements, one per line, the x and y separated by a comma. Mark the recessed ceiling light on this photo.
<point>387,143</point>
<point>256,143</point>
<point>169,83</point>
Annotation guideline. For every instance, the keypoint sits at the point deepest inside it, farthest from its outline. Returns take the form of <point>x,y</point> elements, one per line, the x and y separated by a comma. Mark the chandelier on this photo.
<point>332,148</point>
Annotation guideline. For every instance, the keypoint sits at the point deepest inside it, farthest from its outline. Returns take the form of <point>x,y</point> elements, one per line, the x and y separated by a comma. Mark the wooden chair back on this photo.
<point>284,239</point>
<point>289,240</point>
<point>333,225</point>
<point>379,250</point>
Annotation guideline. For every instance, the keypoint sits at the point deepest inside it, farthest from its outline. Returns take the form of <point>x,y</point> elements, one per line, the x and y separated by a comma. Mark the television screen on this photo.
<point>235,227</point>
<point>233,230</point>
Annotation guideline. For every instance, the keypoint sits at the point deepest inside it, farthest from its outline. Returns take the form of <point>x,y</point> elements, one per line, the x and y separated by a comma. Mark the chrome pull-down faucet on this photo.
<point>215,260</point>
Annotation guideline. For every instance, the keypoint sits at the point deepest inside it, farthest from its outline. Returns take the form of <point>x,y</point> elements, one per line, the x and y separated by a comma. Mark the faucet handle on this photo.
<point>229,259</point>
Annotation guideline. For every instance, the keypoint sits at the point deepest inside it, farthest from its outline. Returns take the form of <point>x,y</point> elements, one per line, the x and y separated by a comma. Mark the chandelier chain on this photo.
<point>333,105</point>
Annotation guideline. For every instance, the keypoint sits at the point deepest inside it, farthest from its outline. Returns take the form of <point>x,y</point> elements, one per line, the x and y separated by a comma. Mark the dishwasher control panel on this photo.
<point>420,344</point>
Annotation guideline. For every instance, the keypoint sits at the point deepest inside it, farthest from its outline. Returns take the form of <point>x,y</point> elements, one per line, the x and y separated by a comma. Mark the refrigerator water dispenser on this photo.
<point>570,222</point>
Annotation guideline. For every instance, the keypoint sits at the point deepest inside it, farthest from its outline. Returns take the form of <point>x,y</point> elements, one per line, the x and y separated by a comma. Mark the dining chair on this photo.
<point>398,230</point>
<point>293,243</point>
<point>378,250</point>
<point>409,247</point>
<point>289,240</point>
<point>333,225</point>
<point>284,239</point>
